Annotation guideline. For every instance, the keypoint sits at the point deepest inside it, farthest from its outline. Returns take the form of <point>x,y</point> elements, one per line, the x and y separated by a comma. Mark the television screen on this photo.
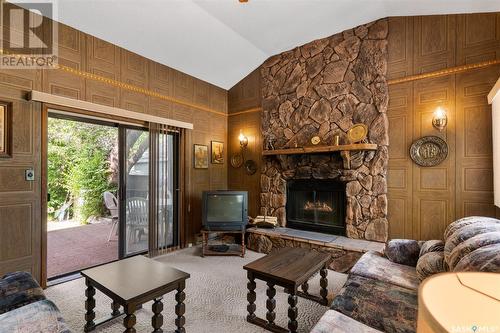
<point>224,208</point>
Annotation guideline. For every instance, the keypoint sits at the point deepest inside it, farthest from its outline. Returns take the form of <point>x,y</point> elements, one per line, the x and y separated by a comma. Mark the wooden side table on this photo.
<point>234,249</point>
<point>130,283</point>
<point>289,268</point>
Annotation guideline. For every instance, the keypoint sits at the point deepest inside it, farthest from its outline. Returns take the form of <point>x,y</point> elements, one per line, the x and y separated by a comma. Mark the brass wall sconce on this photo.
<point>243,140</point>
<point>440,120</point>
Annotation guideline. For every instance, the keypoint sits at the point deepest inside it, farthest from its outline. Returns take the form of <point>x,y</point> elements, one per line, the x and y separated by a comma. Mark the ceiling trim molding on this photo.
<point>445,72</point>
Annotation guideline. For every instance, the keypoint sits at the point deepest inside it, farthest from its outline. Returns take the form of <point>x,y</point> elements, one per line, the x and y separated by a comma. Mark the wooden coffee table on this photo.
<point>130,283</point>
<point>288,268</point>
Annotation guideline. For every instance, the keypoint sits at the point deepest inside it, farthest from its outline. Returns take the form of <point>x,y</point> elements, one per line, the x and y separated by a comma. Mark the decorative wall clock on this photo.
<point>429,151</point>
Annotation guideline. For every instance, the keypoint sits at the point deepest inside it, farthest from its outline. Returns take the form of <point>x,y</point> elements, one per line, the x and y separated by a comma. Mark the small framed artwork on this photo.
<point>5,129</point>
<point>200,156</point>
<point>217,152</point>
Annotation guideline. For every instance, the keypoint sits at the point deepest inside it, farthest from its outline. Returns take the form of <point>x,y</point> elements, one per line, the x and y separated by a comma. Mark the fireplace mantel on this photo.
<point>345,151</point>
<point>320,149</point>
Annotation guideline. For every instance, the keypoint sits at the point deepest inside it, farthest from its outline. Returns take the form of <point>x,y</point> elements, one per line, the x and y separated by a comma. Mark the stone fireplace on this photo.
<point>316,205</point>
<point>321,89</point>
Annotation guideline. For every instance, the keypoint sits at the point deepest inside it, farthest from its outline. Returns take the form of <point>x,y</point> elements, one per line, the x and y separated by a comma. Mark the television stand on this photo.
<point>233,250</point>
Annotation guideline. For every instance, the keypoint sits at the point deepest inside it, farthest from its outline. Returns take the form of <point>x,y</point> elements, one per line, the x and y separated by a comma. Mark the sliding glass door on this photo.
<point>167,228</point>
<point>135,190</point>
<point>134,206</point>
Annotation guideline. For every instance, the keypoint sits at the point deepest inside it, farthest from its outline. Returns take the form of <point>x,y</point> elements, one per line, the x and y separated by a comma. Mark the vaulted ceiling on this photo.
<point>221,41</point>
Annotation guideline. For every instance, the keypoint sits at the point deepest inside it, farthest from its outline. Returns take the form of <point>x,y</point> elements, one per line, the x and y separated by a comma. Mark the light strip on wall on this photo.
<point>39,96</point>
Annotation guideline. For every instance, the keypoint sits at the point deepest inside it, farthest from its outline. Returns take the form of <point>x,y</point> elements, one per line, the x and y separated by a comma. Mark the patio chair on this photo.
<point>112,205</point>
<point>137,218</point>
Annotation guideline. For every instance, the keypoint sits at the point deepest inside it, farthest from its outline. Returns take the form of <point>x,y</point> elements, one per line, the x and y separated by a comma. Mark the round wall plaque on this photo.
<point>429,151</point>
<point>250,167</point>
<point>236,160</point>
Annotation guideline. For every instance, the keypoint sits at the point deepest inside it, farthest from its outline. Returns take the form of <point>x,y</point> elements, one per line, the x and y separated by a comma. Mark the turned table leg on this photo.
<point>180,308</point>
<point>129,320</point>
<point>157,320</point>
<point>323,282</point>
<point>89,307</point>
<point>292,312</point>
<point>305,288</point>
<point>115,309</point>
<point>270,303</point>
<point>251,297</point>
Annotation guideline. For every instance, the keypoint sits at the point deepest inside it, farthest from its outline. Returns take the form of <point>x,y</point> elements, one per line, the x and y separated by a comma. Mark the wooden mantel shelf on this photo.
<point>320,149</point>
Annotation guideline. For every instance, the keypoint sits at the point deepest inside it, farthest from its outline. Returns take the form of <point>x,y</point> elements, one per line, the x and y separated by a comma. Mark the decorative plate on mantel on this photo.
<point>357,133</point>
<point>429,151</point>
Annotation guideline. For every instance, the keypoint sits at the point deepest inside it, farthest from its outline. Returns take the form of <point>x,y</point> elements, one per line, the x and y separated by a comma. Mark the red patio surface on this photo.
<point>76,248</point>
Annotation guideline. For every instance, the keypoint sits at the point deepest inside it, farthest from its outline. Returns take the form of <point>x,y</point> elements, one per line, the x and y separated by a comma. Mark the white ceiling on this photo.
<point>221,41</point>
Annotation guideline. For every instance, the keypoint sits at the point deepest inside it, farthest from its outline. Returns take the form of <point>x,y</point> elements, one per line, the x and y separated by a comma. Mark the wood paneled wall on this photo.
<point>423,201</point>
<point>245,115</point>
<point>20,212</point>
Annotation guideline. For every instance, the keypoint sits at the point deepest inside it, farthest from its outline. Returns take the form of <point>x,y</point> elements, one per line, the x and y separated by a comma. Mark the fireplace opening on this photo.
<point>316,205</point>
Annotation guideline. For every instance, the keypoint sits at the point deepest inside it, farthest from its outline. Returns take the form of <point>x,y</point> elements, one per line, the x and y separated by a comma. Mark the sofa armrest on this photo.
<point>333,321</point>
<point>403,251</point>
<point>18,289</point>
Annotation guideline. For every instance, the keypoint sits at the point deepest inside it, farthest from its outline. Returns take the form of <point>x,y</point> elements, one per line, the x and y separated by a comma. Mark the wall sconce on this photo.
<point>243,140</point>
<point>440,120</point>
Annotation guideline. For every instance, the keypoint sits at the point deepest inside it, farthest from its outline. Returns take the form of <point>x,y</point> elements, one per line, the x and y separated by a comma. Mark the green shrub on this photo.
<point>78,167</point>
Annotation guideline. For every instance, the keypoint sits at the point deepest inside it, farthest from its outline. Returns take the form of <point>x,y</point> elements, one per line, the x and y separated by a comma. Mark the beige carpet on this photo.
<point>215,298</point>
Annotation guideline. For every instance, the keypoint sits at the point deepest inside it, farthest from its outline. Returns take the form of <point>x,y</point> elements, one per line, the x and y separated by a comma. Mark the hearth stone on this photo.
<point>344,251</point>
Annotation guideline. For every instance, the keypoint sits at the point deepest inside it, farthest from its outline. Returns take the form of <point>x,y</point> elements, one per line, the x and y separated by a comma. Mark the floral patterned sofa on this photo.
<point>24,307</point>
<point>380,294</point>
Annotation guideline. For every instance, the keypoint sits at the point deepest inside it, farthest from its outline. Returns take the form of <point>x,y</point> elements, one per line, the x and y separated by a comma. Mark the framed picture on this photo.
<point>200,156</point>
<point>217,152</point>
<point>5,129</point>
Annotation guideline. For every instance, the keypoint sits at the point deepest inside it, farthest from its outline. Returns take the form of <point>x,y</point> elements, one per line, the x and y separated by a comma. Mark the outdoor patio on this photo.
<point>72,246</point>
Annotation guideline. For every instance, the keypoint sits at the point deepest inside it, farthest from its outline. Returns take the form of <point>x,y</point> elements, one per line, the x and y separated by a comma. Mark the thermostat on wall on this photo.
<point>29,174</point>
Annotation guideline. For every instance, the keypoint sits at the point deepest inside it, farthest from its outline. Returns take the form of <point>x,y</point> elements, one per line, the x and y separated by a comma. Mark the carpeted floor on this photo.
<point>215,298</point>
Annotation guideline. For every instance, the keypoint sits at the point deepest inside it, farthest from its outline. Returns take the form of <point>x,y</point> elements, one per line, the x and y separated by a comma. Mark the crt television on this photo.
<point>225,210</point>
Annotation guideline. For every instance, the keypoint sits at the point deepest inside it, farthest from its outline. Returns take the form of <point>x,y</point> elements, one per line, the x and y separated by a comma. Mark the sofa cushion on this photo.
<point>484,259</point>
<point>380,305</point>
<point>429,264</point>
<point>472,244</point>
<point>41,317</point>
<point>403,251</point>
<point>18,289</point>
<point>333,321</point>
<point>373,265</point>
<point>460,223</point>
<point>434,245</point>
<point>467,232</point>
